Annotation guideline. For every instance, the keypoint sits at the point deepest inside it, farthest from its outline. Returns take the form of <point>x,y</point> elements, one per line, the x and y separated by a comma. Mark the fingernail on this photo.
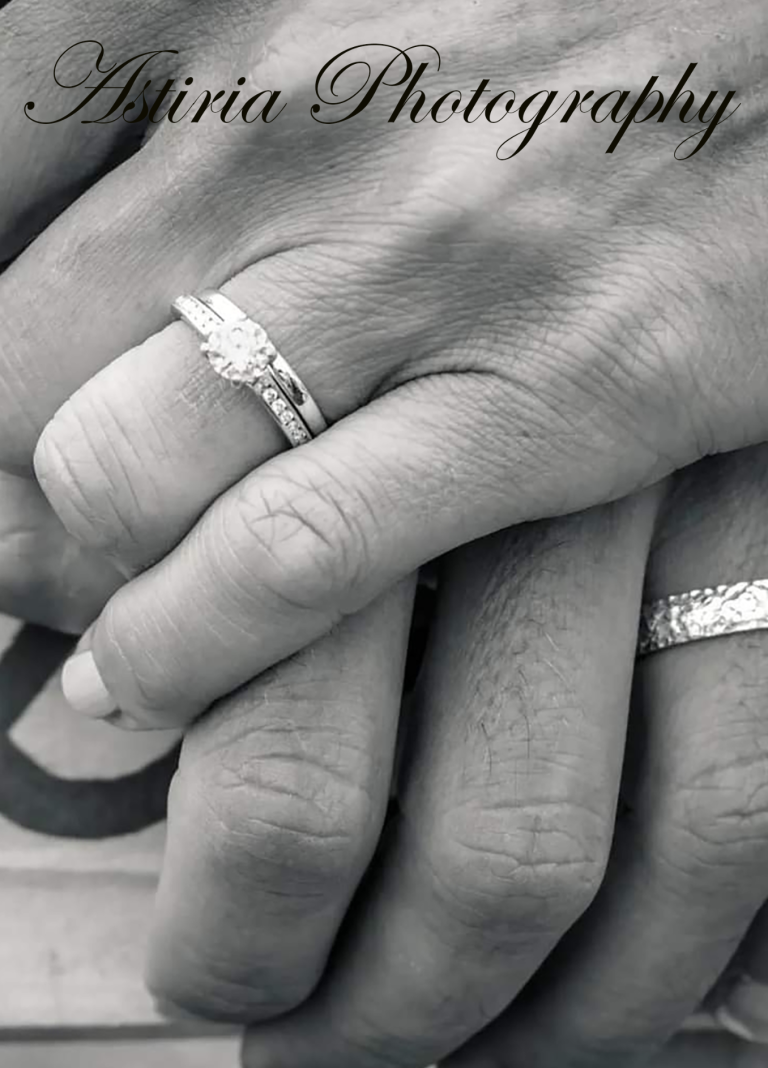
<point>84,688</point>
<point>745,1012</point>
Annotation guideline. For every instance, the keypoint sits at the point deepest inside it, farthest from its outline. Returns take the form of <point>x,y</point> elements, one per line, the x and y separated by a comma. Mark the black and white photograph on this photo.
<point>383,534</point>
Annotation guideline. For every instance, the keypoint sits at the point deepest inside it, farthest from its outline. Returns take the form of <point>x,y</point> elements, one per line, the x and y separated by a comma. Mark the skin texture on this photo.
<point>599,320</point>
<point>571,352</point>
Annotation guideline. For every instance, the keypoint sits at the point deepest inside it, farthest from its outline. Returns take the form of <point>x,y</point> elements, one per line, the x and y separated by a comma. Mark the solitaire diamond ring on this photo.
<point>239,350</point>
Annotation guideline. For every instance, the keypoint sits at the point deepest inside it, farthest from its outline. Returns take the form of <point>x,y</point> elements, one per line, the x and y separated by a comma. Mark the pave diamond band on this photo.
<point>700,614</point>
<point>239,350</point>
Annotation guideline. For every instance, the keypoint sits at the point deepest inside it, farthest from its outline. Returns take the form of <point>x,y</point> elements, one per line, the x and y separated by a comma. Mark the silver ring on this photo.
<point>239,350</point>
<point>699,614</point>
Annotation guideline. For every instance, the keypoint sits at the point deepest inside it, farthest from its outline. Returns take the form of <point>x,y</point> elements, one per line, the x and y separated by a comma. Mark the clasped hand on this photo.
<point>496,344</point>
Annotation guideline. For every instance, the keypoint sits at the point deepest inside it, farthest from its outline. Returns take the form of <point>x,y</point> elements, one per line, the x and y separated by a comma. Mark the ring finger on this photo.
<point>689,867</point>
<point>137,453</point>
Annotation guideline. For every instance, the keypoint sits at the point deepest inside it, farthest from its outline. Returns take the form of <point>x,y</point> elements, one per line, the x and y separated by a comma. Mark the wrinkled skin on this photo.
<point>535,337</point>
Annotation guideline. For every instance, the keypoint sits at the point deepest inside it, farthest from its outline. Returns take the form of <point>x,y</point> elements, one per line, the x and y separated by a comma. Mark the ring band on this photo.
<point>239,349</point>
<point>242,356</point>
<point>699,614</point>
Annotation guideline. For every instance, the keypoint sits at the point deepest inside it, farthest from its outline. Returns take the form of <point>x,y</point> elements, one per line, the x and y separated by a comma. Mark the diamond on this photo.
<point>269,394</point>
<point>287,418</point>
<point>239,351</point>
<point>279,406</point>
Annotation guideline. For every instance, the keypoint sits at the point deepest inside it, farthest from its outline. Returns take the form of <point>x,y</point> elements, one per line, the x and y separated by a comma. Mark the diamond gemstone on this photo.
<point>239,351</point>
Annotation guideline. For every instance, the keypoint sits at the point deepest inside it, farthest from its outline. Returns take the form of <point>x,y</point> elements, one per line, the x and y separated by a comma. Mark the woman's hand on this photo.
<point>539,334</point>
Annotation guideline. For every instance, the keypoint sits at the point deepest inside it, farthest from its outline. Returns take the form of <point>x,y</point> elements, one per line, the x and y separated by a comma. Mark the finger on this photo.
<point>138,453</point>
<point>507,798</point>
<point>690,863</point>
<point>307,538</point>
<point>273,817</point>
<point>46,576</point>
<point>744,1011</point>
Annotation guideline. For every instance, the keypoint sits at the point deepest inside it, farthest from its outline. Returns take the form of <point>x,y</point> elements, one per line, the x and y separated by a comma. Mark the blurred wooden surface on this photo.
<point>201,1052</point>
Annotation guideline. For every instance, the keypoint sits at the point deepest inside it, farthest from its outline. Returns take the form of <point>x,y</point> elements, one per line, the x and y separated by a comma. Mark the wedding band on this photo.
<point>239,350</point>
<point>699,614</point>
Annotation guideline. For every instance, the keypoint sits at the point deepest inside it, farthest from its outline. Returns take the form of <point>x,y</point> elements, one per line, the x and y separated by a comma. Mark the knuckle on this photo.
<point>77,464</point>
<point>293,805</point>
<point>537,867</point>
<point>280,815</point>
<point>310,550</point>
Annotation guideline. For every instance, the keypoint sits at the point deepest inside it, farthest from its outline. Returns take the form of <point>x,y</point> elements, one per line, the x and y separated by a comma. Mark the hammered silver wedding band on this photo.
<point>239,350</point>
<point>699,614</point>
